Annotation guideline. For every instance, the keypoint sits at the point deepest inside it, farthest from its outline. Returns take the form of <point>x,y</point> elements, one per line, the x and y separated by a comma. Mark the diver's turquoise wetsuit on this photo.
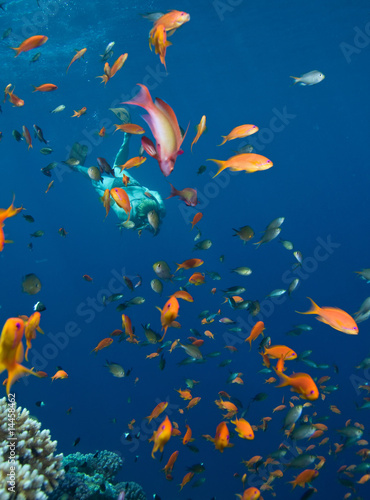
<point>141,204</point>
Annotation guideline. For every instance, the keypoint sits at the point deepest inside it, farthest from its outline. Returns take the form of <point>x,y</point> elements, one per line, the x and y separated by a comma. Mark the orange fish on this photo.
<point>79,54</point>
<point>125,180</point>
<point>80,112</point>
<point>168,314</point>
<point>5,213</point>
<point>122,199</point>
<point>171,462</point>
<point>188,477</point>
<point>222,437</point>
<point>184,295</point>
<point>197,217</point>
<point>257,330</point>
<point>30,43</point>
<point>163,124</point>
<point>26,134</point>
<point>278,351</point>
<point>157,411</point>
<point>301,383</point>
<point>31,325</point>
<point>86,277</point>
<point>247,162</point>
<point>11,351</point>
<point>106,201</point>
<point>130,128</point>
<point>172,20</point>
<point>59,374</point>
<point>239,132</point>
<point>184,394</point>
<point>50,185</point>
<point>334,317</point>
<point>304,477</point>
<point>189,264</point>
<point>133,162</point>
<point>15,100</point>
<point>251,494</point>
<point>160,42</point>
<point>161,436</point>
<point>127,326</point>
<point>197,279</point>
<point>101,132</point>
<point>193,402</point>
<point>118,64</point>
<point>187,437</point>
<point>200,129</point>
<point>46,87</point>
<point>243,428</point>
<point>106,75</point>
<point>103,343</point>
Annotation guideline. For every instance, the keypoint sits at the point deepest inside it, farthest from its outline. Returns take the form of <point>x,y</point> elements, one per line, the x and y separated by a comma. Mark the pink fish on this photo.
<point>189,195</point>
<point>163,124</point>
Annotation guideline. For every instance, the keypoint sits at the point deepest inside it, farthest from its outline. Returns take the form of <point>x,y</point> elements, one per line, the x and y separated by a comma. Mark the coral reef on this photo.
<point>28,467</point>
<point>91,477</point>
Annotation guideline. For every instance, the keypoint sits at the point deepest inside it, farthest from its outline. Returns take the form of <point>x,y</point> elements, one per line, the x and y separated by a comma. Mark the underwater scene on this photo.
<point>184,250</point>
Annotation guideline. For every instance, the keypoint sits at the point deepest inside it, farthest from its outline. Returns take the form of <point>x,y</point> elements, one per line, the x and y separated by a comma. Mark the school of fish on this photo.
<point>304,408</point>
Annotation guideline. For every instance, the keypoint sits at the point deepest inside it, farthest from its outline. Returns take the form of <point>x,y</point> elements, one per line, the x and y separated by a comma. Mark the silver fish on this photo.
<point>310,78</point>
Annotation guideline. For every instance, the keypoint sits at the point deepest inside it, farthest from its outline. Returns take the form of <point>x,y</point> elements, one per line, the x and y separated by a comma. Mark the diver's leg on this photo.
<point>122,154</point>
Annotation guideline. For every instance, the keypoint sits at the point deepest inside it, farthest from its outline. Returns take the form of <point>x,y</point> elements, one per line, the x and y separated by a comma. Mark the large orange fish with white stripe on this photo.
<point>163,124</point>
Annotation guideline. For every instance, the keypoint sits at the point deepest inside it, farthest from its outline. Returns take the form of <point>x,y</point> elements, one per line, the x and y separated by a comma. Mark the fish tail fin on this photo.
<point>16,49</point>
<point>293,483</point>
<point>296,80</point>
<point>17,372</point>
<point>284,379</point>
<point>174,192</point>
<point>34,90</point>
<point>221,166</point>
<point>315,309</point>
<point>142,99</point>
<point>224,137</point>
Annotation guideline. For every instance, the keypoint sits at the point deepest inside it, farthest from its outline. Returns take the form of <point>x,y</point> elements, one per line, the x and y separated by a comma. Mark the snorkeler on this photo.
<point>147,207</point>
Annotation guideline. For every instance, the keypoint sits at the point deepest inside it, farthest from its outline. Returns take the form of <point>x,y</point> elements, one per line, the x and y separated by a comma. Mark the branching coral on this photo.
<point>28,467</point>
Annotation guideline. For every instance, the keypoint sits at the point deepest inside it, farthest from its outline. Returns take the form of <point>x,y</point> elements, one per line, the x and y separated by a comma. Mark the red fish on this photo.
<point>163,124</point>
<point>188,195</point>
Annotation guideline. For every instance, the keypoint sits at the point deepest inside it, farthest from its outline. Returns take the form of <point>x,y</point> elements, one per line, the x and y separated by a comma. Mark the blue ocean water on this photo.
<point>232,63</point>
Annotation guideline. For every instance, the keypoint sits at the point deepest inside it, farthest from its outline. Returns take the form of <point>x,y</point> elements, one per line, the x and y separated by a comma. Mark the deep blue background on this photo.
<point>232,64</point>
